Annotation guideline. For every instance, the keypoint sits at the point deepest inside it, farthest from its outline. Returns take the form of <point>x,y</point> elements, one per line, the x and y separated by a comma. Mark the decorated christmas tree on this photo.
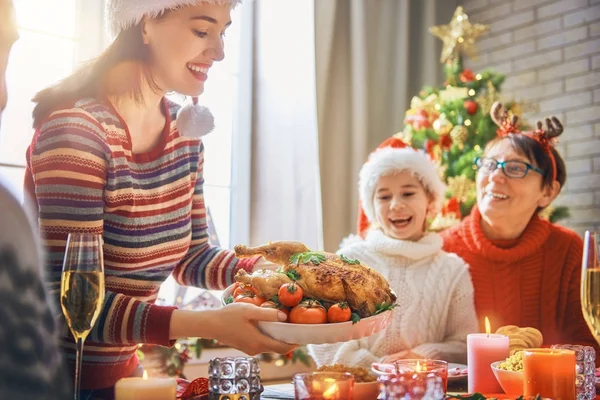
<point>452,123</point>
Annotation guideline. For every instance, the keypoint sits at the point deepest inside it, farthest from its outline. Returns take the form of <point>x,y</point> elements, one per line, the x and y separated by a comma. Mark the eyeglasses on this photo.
<point>511,168</point>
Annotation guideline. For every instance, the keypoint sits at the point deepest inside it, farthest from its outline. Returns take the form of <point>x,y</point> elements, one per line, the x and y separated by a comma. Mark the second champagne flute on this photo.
<point>590,283</point>
<point>82,290</point>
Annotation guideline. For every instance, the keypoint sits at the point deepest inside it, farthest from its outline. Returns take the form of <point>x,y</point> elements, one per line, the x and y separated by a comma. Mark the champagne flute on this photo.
<point>82,290</point>
<point>590,282</point>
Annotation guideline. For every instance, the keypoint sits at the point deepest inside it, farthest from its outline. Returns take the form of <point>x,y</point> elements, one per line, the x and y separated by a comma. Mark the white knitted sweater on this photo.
<point>435,309</point>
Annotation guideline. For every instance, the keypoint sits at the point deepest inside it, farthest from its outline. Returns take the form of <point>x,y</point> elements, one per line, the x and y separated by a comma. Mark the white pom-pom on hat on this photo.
<point>123,14</point>
<point>194,120</point>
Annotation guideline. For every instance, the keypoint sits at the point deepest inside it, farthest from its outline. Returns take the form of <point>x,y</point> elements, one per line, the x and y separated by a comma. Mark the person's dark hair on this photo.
<point>531,149</point>
<point>90,80</point>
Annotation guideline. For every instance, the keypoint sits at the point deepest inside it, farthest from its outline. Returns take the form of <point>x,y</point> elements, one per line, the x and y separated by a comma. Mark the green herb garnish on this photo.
<point>354,318</point>
<point>383,307</point>
<point>292,274</point>
<point>349,260</point>
<point>229,300</point>
<point>306,257</point>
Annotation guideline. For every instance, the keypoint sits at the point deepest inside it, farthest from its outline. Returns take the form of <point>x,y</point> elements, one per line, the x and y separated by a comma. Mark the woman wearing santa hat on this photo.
<point>526,271</point>
<point>111,155</point>
<point>399,188</point>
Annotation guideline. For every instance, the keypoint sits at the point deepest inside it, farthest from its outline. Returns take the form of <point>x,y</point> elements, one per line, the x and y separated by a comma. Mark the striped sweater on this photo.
<point>150,209</point>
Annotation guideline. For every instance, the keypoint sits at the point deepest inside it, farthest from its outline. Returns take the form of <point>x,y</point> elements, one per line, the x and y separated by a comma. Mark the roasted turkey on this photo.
<point>266,282</point>
<point>323,276</point>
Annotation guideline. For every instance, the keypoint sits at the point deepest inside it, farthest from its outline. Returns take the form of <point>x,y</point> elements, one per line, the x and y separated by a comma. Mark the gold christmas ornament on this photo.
<point>488,98</point>
<point>442,126</point>
<point>442,170</point>
<point>442,222</point>
<point>546,213</point>
<point>458,36</point>
<point>461,187</point>
<point>428,104</point>
<point>452,93</point>
<point>459,134</point>
<point>405,135</point>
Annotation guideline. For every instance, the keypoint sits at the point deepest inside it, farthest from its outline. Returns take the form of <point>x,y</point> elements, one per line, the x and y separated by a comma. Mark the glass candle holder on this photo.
<point>585,370</point>
<point>411,386</point>
<point>323,386</point>
<point>424,366</point>
<point>234,378</point>
<point>549,373</point>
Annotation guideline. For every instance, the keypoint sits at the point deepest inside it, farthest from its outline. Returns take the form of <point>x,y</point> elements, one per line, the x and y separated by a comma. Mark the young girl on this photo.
<point>399,188</point>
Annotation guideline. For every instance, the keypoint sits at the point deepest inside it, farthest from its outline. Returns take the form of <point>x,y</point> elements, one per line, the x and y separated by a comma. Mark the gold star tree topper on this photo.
<point>458,36</point>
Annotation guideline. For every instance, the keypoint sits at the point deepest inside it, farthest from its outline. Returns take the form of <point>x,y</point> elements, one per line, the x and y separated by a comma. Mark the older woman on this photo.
<point>525,270</point>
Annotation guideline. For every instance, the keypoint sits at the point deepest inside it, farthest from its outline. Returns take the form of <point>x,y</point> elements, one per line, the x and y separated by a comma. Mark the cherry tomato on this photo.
<point>290,294</point>
<point>272,304</point>
<point>339,312</point>
<point>250,299</point>
<point>308,312</point>
<point>244,289</point>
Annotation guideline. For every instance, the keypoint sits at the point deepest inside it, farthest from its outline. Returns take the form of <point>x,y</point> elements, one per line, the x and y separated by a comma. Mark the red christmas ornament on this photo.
<point>466,76</point>
<point>452,207</point>
<point>445,142</point>
<point>197,387</point>
<point>429,145</point>
<point>470,106</point>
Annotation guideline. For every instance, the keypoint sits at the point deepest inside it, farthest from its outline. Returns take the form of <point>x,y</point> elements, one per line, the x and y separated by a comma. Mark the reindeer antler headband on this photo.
<point>545,137</point>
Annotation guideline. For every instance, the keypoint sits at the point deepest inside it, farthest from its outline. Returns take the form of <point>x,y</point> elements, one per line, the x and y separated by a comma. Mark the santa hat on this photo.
<point>393,156</point>
<point>123,14</point>
<point>193,119</point>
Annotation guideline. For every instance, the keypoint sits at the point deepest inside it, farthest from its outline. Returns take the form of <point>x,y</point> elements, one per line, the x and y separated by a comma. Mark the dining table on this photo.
<point>285,391</point>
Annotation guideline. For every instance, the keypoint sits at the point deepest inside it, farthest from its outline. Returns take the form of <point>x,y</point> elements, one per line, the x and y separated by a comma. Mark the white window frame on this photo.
<point>241,141</point>
<point>90,28</point>
<point>91,34</point>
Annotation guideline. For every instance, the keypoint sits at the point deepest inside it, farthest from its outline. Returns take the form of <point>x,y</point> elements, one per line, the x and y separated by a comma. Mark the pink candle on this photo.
<point>482,351</point>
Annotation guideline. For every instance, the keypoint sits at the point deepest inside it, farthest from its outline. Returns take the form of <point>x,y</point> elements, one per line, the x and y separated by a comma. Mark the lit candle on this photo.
<point>146,389</point>
<point>424,367</point>
<point>549,373</point>
<point>323,386</point>
<point>482,350</point>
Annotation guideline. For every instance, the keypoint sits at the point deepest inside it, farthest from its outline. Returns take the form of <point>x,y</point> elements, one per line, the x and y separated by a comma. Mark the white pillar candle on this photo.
<point>146,388</point>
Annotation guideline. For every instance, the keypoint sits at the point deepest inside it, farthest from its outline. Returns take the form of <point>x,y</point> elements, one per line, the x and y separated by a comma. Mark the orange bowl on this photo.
<point>366,390</point>
<point>510,381</point>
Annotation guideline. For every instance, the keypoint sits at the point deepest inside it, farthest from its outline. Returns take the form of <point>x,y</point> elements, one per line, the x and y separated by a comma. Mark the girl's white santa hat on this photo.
<point>394,156</point>
<point>193,119</point>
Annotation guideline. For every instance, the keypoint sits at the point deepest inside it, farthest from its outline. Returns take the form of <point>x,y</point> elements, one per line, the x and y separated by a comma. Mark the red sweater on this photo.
<point>533,281</point>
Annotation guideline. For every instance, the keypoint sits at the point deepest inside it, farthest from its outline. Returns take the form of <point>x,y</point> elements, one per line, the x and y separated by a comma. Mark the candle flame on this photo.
<point>331,392</point>
<point>418,367</point>
<point>488,329</point>
<point>145,375</point>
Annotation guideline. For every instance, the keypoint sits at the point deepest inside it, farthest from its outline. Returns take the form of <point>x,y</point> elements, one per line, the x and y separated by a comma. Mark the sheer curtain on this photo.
<point>372,56</point>
<point>285,198</point>
<point>353,63</point>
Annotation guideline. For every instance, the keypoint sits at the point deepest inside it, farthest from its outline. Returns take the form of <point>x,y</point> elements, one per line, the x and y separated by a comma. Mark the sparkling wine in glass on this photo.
<point>82,290</point>
<point>590,282</point>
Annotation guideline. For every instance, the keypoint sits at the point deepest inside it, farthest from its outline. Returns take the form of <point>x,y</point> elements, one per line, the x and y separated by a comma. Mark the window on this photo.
<point>56,36</point>
<point>51,44</point>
